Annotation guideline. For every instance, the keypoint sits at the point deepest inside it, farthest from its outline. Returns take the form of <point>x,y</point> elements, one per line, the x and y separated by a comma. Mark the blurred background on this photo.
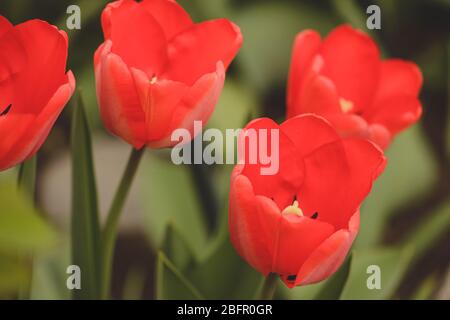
<point>173,240</point>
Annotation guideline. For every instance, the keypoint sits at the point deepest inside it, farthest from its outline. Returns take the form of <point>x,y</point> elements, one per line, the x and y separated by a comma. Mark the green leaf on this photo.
<point>176,248</point>
<point>22,229</point>
<point>23,233</point>
<point>13,274</point>
<point>405,179</point>
<point>171,284</point>
<point>27,177</point>
<point>86,79</point>
<point>219,263</point>
<point>49,274</point>
<point>426,288</point>
<point>169,197</point>
<point>429,231</point>
<point>85,222</point>
<point>222,274</point>
<point>27,183</point>
<point>334,286</point>
<point>211,272</point>
<point>393,263</point>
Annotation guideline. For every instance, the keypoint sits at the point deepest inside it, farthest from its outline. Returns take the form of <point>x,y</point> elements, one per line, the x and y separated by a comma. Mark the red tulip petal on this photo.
<point>329,256</point>
<point>379,135</point>
<point>308,133</point>
<point>253,223</point>
<point>352,62</point>
<point>44,72</point>
<point>349,125</point>
<point>136,36</point>
<point>317,93</point>
<point>6,90</point>
<point>13,127</point>
<point>6,93</point>
<point>31,82</point>
<point>319,96</point>
<point>396,105</point>
<point>107,14</point>
<point>398,78</point>
<point>5,25</point>
<point>306,45</point>
<point>46,119</point>
<point>13,59</point>
<point>282,185</point>
<point>297,239</point>
<point>196,105</point>
<point>196,51</point>
<point>23,134</point>
<point>352,125</point>
<point>169,14</point>
<point>395,113</point>
<point>119,101</point>
<point>339,175</point>
<point>159,101</point>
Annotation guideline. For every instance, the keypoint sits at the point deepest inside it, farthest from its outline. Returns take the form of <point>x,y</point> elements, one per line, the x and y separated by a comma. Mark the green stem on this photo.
<point>109,233</point>
<point>269,286</point>
<point>26,179</point>
<point>26,182</point>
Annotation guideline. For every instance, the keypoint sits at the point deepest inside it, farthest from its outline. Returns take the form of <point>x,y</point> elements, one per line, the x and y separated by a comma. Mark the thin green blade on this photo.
<point>85,222</point>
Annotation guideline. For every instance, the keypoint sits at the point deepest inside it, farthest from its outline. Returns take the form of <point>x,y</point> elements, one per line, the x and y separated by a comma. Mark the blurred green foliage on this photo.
<point>23,232</point>
<point>397,186</point>
<point>22,229</point>
<point>392,263</point>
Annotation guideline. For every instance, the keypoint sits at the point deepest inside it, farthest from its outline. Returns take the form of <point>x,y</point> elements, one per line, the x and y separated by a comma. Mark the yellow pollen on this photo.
<point>154,79</point>
<point>346,105</point>
<point>293,209</point>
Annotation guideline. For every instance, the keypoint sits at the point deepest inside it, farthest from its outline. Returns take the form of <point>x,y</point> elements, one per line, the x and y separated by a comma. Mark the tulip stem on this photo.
<point>109,233</point>
<point>269,286</point>
<point>27,184</point>
<point>26,180</point>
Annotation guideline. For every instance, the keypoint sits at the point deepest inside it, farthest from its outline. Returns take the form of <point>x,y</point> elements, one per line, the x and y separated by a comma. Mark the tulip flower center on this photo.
<point>154,80</point>
<point>5,112</point>
<point>346,105</point>
<point>293,209</point>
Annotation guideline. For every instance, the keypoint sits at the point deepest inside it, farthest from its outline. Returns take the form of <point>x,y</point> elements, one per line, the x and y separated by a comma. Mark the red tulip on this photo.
<point>158,71</point>
<point>301,222</point>
<point>34,86</point>
<point>343,79</point>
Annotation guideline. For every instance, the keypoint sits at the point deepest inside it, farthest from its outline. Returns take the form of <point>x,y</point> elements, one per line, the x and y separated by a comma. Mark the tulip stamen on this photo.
<point>346,105</point>
<point>293,209</point>
<point>315,215</point>
<point>5,112</point>
<point>154,80</point>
